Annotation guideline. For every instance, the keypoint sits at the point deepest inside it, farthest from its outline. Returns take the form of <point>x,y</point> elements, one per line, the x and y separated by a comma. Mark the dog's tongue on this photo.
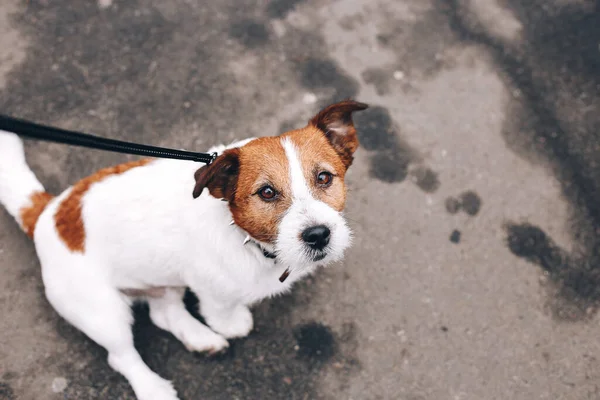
<point>284,276</point>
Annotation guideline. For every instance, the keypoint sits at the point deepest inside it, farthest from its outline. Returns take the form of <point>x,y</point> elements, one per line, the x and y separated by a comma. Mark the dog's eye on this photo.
<point>267,193</point>
<point>324,178</point>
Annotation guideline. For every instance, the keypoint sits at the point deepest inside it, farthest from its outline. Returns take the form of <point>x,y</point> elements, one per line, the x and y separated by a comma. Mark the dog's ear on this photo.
<point>336,123</point>
<point>220,177</point>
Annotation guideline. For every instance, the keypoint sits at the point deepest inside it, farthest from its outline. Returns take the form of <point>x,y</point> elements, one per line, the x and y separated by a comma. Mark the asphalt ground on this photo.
<point>475,197</point>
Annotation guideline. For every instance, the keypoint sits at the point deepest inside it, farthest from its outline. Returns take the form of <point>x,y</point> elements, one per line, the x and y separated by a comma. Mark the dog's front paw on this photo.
<point>201,342</point>
<point>156,389</point>
<point>238,324</point>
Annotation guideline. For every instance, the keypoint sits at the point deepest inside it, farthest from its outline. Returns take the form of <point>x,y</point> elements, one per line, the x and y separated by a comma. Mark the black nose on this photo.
<point>317,237</point>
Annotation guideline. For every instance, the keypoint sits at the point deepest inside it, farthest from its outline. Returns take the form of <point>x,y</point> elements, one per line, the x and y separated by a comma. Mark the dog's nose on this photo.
<point>317,237</point>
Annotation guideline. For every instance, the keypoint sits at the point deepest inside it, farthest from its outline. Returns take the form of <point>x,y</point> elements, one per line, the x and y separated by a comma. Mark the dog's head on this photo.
<point>287,192</point>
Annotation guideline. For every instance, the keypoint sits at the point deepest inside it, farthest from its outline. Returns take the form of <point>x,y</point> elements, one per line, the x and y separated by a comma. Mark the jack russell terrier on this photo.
<point>146,230</point>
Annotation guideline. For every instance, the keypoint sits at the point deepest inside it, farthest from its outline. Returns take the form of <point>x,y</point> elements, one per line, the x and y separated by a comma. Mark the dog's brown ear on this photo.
<point>220,177</point>
<point>336,123</point>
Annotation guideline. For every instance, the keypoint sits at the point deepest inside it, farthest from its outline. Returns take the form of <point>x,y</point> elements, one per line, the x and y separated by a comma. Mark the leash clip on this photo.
<point>213,157</point>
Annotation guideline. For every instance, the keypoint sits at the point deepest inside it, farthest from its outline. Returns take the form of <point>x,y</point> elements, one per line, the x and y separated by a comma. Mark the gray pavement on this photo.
<point>475,197</point>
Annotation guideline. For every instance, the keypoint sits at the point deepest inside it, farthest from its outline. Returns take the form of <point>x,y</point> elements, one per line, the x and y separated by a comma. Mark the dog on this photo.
<point>267,212</point>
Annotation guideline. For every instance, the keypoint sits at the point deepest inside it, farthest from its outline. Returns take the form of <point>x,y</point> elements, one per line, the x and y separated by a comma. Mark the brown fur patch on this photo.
<point>31,214</point>
<point>262,162</point>
<point>220,177</point>
<point>68,219</point>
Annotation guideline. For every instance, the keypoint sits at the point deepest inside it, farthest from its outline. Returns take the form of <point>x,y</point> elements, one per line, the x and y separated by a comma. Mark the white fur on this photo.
<point>144,229</point>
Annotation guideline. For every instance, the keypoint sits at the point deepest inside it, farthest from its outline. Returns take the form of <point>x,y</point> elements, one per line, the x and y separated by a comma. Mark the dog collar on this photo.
<point>273,257</point>
<point>267,253</point>
<point>270,255</point>
<point>264,251</point>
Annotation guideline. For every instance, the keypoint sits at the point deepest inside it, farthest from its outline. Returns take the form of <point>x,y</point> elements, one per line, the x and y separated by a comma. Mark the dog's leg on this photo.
<point>232,320</point>
<point>104,315</point>
<point>168,312</point>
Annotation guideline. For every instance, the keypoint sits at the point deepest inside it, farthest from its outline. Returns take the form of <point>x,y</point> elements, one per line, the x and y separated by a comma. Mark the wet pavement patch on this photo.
<point>314,340</point>
<point>392,157</point>
<point>322,73</point>
<point>425,178</point>
<point>378,77</point>
<point>377,133</point>
<point>553,119</point>
<point>420,48</point>
<point>6,392</point>
<point>455,236</point>
<point>531,243</point>
<point>471,202</point>
<point>79,31</point>
<point>375,129</point>
<point>249,32</point>
<point>575,278</point>
<point>280,8</point>
<point>390,166</point>
<point>468,201</point>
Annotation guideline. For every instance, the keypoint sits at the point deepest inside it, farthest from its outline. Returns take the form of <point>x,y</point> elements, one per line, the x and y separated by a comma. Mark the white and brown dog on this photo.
<point>147,230</point>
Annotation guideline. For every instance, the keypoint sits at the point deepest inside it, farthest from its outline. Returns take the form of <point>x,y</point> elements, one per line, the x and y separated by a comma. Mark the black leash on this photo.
<point>31,130</point>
